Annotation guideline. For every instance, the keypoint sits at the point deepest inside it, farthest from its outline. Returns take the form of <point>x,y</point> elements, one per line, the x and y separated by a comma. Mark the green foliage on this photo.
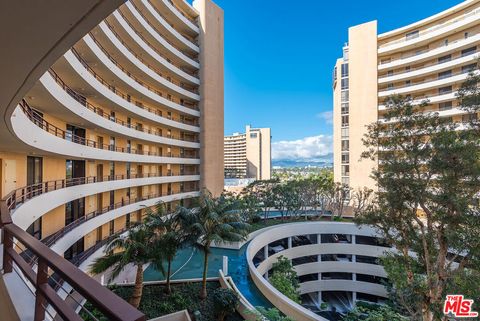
<point>429,175</point>
<point>225,301</point>
<point>215,220</point>
<point>284,279</point>
<point>156,302</point>
<point>374,313</point>
<point>271,314</point>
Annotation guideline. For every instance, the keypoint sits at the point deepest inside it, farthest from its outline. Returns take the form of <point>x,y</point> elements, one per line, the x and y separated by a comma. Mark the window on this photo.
<point>335,73</point>
<point>111,227</point>
<point>346,181</point>
<point>412,35</point>
<point>112,143</point>
<point>465,35</point>
<point>469,51</point>
<point>344,132</point>
<point>345,170</point>
<point>390,73</point>
<point>253,135</point>
<point>444,74</point>
<point>344,108</point>
<point>445,106</point>
<point>345,145</point>
<point>344,95</point>
<point>345,83</point>
<point>344,70</point>
<point>445,42</point>
<point>469,117</point>
<point>407,68</point>
<point>408,83</point>
<point>390,86</point>
<point>112,116</point>
<point>445,90</point>
<point>469,68</point>
<point>344,121</point>
<point>345,158</point>
<point>443,59</point>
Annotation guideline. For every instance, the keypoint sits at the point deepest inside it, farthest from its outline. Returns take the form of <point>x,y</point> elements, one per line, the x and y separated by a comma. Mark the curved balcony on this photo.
<point>435,99</point>
<point>29,203</point>
<point>432,68</point>
<point>425,85</point>
<point>121,98</point>
<point>95,115</point>
<point>180,40</point>
<point>440,30</point>
<point>137,84</point>
<point>287,231</point>
<point>129,28</point>
<point>343,285</point>
<point>66,237</point>
<point>180,17</point>
<point>104,56</point>
<point>128,52</point>
<point>38,133</point>
<point>430,54</point>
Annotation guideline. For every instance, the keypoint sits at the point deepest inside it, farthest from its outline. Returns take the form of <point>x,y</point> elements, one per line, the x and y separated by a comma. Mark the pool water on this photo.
<point>188,264</point>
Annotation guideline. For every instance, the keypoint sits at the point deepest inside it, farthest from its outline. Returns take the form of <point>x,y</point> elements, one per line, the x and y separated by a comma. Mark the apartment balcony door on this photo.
<point>139,170</point>
<point>74,210</point>
<point>139,192</point>
<point>9,176</point>
<point>99,234</point>
<point>100,173</point>
<point>75,171</point>
<point>100,142</point>
<point>74,250</point>
<point>35,229</point>
<point>34,174</point>
<point>99,202</point>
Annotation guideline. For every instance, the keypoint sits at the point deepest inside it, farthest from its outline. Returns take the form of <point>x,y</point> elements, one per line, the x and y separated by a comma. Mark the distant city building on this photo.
<point>248,155</point>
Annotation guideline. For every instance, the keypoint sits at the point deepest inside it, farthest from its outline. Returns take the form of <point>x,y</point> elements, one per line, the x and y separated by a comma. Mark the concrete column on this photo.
<point>354,298</point>
<point>265,251</point>
<point>354,239</point>
<point>319,298</point>
<point>319,238</point>
<point>354,276</point>
<point>354,258</point>
<point>289,242</point>
<point>319,258</point>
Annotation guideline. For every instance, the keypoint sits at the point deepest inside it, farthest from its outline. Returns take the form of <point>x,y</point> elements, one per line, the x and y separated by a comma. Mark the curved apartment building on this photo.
<point>428,59</point>
<point>131,115</point>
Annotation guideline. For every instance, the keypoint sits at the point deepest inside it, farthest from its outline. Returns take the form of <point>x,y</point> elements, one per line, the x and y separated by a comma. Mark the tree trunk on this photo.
<point>221,316</point>
<point>138,288</point>
<point>169,269</point>
<point>203,291</point>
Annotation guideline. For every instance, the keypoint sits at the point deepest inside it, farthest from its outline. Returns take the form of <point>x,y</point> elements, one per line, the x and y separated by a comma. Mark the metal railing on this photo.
<point>99,111</point>
<point>181,12</point>
<point>136,79</point>
<point>61,133</point>
<point>433,28</point>
<point>183,52</point>
<point>191,39</point>
<point>112,88</point>
<point>112,306</point>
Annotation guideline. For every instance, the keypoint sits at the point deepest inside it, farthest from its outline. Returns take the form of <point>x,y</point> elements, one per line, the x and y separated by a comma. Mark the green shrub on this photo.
<point>225,301</point>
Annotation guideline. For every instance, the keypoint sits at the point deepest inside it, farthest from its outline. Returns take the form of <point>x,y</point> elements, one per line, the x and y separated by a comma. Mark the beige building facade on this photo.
<point>248,155</point>
<point>130,115</point>
<point>428,59</point>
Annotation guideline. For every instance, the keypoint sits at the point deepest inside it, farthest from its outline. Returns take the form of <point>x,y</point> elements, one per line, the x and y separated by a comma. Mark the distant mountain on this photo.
<point>288,163</point>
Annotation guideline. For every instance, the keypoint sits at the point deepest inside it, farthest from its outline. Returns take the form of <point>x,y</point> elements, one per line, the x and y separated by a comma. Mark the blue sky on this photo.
<point>279,57</point>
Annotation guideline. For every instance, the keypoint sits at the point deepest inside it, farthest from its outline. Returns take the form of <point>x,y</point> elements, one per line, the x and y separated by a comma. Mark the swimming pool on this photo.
<point>188,264</point>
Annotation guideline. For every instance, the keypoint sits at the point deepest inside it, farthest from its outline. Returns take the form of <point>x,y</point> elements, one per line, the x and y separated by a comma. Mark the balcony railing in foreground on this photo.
<point>46,298</point>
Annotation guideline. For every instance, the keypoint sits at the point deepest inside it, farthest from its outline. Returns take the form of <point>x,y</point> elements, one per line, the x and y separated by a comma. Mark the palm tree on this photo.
<point>170,232</point>
<point>135,248</point>
<point>216,220</point>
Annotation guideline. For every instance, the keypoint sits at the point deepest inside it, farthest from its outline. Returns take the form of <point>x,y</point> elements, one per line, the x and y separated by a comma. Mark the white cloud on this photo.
<point>326,116</point>
<point>314,148</point>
